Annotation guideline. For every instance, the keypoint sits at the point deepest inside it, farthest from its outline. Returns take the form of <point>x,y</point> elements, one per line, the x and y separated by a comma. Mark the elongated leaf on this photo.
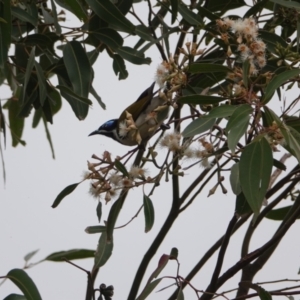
<point>222,111</point>
<point>22,15</point>
<point>243,111</point>
<point>276,82</point>
<point>289,4</point>
<point>198,126</point>
<point>99,211</point>
<point>16,123</point>
<point>113,216</point>
<point>119,67</point>
<point>109,37</point>
<point>42,83</point>
<point>292,140</point>
<point>235,179</point>
<point>55,18</point>
<point>133,56</point>
<point>279,214</point>
<point>241,205</point>
<point>189,15</point>
<point>161,265</point>
<point>103,252</point>
<point>95,229</point>
<point>200,99</point>
<point>79,104</point>
<point>65,192</point>
<point>15,297</point>
<point>78,68</point>
<point>255,8</point>
<point>255,169</point>
<point>70,255</point>
<point>237,132</point>
<point>174,10</point>
<point>24,283</point>
<point>145,33</point>
<point>28,71</point>
<point>180,295</point>
<point>108,12</point>
<point>208,68</point>
<point>121,168</point>
<point>48,136</point>
<point>148,289</point>
<point>75,7</point>
<point>98,98</point>
<point>29,255</point>
<point>68,91</point>
<point>5,31</point>
<point>149,213</point>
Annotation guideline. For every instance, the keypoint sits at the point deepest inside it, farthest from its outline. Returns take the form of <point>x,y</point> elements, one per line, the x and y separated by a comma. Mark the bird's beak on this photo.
<point>94,132</point>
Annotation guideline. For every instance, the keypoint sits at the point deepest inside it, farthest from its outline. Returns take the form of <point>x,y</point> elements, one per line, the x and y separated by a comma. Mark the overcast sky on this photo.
<point>34,179</point>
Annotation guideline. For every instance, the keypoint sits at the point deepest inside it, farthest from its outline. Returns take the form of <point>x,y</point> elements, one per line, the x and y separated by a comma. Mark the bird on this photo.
<point>138,122</point>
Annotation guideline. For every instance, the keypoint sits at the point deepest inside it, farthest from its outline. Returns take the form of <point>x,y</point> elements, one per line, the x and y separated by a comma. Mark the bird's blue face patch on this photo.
<point>109,125</point>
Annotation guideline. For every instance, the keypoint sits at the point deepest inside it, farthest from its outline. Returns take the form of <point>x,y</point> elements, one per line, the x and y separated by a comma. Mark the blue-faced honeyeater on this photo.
<point>138,122</point>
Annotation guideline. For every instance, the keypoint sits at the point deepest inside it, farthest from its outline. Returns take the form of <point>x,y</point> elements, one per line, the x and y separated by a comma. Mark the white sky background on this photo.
<point>34,179</point>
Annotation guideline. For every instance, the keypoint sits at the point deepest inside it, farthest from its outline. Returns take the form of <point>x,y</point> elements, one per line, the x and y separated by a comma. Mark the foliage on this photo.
<point>229,77</point>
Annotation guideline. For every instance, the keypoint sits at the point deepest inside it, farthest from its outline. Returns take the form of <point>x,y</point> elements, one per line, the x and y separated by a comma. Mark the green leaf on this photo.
<point>264,295</point>
<point>180,295</point>
<point>5,31</point>
<point>113,216</point>
<point>208,68</point>
<point>97,97</point>
<point>15,297</point>
<point>49,139</point>
<point>256,8</point>
<point>149,213</point>
<point>292,140</point>
<point>78,68</point>
<point>108,12</point>
<point>22,15</point>
<point>55,18</point>
<point>222,111</point>
<point>200,99</point>
<point>95,229</point>
<point>289,4</point>
<point>237,132</point>
<point>103,252</point>
<point>70,255</point>
<point>16,124</point>
<point>68,91</point>
<point>198,126</point>
<point>42,83</point>
<point>279,214</point>
<point>121,168</point>
<point>145,33</point>
<point>79,104</point>
<point>24,283</point>
<point>28,71</point>
<point>65,192</point>
<point>119,67</point>
<point>29,255</point>
<point>279,165</point>
<point>241,205</point>
<point>99,211</point>
<point>242,111</point>
<point>276,82</point>
<point>235,179</point>
<point>75,7</point>
<point>174,10</point>
<point>255,169</point>
<point>109,37</point>
<point>134,56</point>
<point>148,289</point>
<point>189,15</point>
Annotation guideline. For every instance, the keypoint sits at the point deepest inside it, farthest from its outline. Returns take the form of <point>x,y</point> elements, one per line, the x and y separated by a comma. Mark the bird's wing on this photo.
<point>136,108</point>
